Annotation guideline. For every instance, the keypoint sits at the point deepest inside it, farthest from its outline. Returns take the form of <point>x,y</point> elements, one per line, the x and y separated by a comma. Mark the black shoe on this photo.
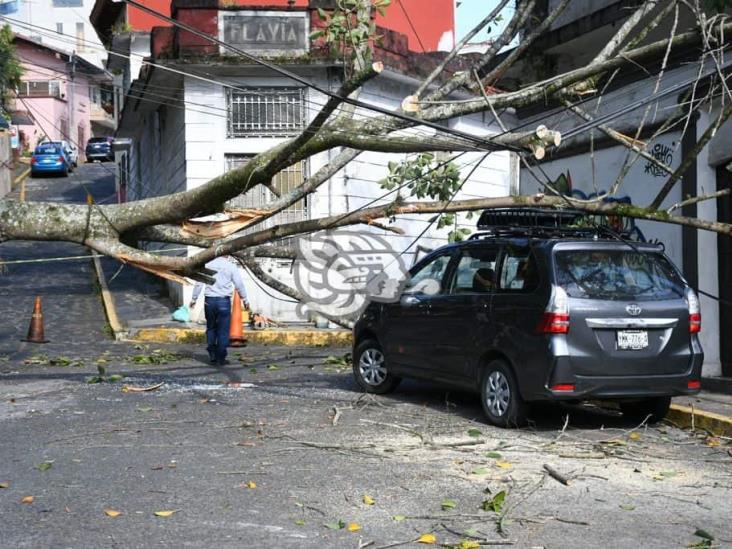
<point>222,362</point>
<point>212,359</point>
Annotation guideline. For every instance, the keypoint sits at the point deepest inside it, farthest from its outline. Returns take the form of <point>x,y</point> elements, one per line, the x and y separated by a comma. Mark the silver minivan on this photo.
<point>547,314</point>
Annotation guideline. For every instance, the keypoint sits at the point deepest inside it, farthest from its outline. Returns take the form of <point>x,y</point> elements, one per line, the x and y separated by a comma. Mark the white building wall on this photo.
<point>597,173</point>
<point>355,186</point>
<point>156,163</point>
<point>708,257</point>
<point>45,15</point>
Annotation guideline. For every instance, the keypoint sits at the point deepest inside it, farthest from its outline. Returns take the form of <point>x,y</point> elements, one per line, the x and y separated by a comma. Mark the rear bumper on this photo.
<point>618,387</point>
<point>48,168</point>
<point>626,387</point>
<point>98,156</point>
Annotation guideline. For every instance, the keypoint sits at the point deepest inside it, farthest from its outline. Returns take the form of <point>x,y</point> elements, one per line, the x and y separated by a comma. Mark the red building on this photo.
<point>427,30</point>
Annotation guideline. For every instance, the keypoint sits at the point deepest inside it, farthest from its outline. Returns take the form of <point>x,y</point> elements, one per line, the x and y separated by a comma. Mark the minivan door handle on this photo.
<point>410,301</point>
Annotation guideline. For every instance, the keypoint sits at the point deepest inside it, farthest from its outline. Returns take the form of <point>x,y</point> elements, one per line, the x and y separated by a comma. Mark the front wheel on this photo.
<point>500,397</point>
<point>654,409</point>
<point>371,370</point>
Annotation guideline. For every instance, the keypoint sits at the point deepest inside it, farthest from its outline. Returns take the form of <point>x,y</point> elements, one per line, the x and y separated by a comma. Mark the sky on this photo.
<point>471,12</point>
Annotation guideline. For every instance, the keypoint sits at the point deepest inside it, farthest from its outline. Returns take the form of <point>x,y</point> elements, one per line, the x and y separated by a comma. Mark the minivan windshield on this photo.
<point>617,275</point>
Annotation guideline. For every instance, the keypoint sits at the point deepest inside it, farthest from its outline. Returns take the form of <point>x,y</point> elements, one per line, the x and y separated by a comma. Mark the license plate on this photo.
<point>633,340</point>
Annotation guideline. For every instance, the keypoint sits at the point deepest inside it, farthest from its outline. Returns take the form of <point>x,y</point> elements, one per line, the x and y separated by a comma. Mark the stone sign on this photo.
<point>265,31</point>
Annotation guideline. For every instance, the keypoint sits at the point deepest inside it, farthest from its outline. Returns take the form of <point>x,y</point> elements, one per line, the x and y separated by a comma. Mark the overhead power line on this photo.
<point>484,143</point>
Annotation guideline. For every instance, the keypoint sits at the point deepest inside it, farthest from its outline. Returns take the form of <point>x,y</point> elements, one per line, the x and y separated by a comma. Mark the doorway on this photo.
<point>724,249</point>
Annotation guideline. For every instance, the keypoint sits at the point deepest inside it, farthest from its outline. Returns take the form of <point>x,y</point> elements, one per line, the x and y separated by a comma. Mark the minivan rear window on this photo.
<point>617,275</point>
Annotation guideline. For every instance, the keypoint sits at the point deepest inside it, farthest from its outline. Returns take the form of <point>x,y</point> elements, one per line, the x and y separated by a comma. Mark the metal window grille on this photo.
<point>40,88</point>
<point>265,112</point>
<point>285,181</point>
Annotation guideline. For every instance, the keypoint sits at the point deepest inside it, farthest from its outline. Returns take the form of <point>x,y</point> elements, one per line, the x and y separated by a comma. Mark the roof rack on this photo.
<point>528,217</point>
<point>542,223</point>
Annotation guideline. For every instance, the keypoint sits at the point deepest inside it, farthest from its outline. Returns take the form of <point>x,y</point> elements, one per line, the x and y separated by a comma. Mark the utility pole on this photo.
<point>72,97</point>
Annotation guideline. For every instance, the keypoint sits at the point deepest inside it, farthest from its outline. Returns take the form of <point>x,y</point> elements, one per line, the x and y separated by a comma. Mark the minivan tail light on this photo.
<point>693,384</point>
<point>563,387</point>
<point>694,312</point>
<point>556,316</point>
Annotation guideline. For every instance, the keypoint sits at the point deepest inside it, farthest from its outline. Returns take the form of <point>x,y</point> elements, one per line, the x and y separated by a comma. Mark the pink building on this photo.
<point>60,94</point>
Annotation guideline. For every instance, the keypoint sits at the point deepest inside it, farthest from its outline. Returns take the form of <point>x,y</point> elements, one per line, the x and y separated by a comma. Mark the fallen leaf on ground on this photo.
<point>144,409</point>
<point>635,435</point>
<point>503,464</point>
<point>300,522</point>
<point>475,433</point>
<point>353,527</point>
<point>627,507</point>
<point>493,455</point>
<point>112,513</point>
<point>398,518</point>
<point>448,504</point>
<point>335,525</point>
<point>273,367</point>
<point>712,442</point>
<point>480,471</point>
<point>427,538</point>
<point>251,485</point>
<point>368,500</point>
<point>136,389</point>
<point>664,475</point>
<point>45,466</point>
<point>468,544</point>
<point>165,513</point>
<point>495,504</point>
<point>27,499</point>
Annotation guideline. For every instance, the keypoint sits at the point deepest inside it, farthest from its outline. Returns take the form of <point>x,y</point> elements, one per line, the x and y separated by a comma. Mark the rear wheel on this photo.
<point>371,370</point>
<point>655,409</point>
<point>500,397</point>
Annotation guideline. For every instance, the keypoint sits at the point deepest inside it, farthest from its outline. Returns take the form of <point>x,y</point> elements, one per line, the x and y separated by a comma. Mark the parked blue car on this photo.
<point>50,158</point>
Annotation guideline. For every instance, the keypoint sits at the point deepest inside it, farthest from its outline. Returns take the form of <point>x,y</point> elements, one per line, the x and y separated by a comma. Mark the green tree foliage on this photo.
<point>10,67</point>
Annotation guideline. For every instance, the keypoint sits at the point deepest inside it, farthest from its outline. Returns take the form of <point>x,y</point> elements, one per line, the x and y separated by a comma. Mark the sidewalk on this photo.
<point>138,300</point>
<point>708,411</point>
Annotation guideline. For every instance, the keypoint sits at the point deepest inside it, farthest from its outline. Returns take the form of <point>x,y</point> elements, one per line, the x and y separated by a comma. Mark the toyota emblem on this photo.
<point>633,309</point>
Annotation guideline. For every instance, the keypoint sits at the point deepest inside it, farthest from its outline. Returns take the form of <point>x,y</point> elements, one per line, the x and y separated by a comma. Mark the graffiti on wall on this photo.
<point>662,153</point>
<point>625,225</point>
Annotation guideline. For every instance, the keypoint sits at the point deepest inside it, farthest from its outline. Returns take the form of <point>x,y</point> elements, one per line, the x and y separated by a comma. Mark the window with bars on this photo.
<point>285,181</point>
<point>265,112</point>
<point>40,88</point>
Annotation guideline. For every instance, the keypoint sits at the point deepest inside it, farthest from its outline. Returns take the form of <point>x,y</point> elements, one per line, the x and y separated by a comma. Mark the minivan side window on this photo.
<point>518,271</point>
<point>475,272</point>
<point>428,279</point>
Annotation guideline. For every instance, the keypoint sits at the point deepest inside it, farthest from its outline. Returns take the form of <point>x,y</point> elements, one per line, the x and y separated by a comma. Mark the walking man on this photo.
<point>218,305</point>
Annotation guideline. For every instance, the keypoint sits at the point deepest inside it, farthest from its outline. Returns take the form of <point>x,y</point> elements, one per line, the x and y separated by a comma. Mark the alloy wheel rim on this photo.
<point>371,367</point>
<point>498,394</point>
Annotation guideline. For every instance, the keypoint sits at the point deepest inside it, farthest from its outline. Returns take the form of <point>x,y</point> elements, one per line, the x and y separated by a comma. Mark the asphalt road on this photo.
<point>280,449</point>
<point>314,447</point>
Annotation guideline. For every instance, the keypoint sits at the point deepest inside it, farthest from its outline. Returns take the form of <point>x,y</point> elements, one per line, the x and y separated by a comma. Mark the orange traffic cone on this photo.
<point>236,330</point>
<point>35,330</point>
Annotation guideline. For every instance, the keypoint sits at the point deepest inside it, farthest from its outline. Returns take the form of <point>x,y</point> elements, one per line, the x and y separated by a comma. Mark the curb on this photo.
<point>685,416</point>
<point>312,338</point>
<point>324,338</point>
<point>107,300</point>
<point>19,179</point>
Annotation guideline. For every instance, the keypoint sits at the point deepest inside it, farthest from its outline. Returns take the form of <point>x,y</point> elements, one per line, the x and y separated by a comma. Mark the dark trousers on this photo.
<point>218,320</point>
